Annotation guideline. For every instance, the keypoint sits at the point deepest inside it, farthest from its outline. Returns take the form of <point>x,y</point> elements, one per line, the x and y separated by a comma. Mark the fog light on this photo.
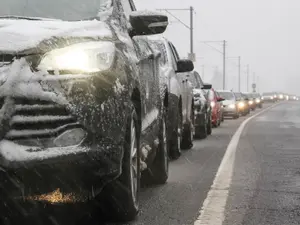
<point>70,137</point>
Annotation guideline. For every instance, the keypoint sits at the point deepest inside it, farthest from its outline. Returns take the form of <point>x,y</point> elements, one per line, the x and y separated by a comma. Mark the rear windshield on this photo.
<point>227,95</point>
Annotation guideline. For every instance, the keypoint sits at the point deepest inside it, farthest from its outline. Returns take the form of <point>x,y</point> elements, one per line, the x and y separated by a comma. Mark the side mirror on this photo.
<point>184,65</point>
<point>219,99</point>
<point>147,23</point>
<point>207,86</point>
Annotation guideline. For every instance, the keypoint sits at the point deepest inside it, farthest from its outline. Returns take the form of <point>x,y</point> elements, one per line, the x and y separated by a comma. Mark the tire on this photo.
<point>120,197</point>
<point>176,139</point>
<point>188,134</point>
<point>201,132</point>
<point>158,172</point>
<point>209,127</point>
<point>219,122</point>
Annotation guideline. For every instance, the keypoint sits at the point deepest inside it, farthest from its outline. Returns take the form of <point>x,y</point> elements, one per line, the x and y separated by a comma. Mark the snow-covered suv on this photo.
<point>82,106</point>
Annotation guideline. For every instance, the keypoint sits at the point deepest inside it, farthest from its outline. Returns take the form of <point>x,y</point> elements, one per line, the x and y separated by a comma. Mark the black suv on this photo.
<point>82,106</point>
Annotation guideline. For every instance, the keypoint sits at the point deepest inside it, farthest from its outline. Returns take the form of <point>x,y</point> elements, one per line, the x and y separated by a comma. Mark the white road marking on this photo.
<point>213,209</point>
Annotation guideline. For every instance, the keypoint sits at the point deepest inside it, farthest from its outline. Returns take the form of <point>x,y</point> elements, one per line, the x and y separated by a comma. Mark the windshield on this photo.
<point>268,94</point>
<point>54,9</point>
<point>227,95</point>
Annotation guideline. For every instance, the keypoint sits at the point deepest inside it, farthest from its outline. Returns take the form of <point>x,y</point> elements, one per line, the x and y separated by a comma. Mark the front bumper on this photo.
<point>39,151</point>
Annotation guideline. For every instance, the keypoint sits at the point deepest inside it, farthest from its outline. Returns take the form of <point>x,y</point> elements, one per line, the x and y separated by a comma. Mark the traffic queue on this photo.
<point>89,118</point>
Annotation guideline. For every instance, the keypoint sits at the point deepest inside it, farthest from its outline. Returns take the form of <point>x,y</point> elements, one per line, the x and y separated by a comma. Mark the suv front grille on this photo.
<point>36,119</point>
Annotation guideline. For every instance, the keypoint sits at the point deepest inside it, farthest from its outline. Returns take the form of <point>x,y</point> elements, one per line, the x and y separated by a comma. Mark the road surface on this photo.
<point>264,182</point>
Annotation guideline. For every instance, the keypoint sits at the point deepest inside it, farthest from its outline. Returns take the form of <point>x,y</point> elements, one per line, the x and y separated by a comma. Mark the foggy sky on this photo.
<point>265,33</point>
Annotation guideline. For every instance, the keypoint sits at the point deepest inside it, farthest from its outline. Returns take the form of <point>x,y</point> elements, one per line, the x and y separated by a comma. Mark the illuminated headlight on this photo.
<point>281,96</point>
<point>241,105</point>
<point>86,57</point>
<point>250,102</point>
<point>212,104</point>
<point>262,98</point>
<point>272,98</point>
<point>275,96</point>
<point>232,106</point>
<point>257,101</point>
<point>287,97</point>
<point>294,97</point>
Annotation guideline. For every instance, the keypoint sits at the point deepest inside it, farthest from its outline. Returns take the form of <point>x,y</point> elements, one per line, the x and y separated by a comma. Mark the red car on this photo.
<point>216,105</point>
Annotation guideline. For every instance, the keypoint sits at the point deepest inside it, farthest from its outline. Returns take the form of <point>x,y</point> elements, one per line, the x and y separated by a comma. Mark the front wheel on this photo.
<point>188,133</point>
<point>158,172</point>
<point>176,138</point>
<point>209,126</point>
<point>121,195</point>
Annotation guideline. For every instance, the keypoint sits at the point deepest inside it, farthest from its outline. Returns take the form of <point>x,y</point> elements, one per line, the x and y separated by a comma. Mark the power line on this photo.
<point>179,20</point>
<point>211,47</point>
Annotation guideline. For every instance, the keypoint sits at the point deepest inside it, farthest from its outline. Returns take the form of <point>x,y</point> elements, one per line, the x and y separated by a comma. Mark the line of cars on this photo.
<point>90,109</point>
<point>278,96</point>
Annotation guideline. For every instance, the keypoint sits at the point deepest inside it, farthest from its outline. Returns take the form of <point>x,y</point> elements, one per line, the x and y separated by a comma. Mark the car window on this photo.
<point>127,7</point>
<point>173,57</point>
<point>227,95</point>
<point>175,52</point>
<point>211,95</point>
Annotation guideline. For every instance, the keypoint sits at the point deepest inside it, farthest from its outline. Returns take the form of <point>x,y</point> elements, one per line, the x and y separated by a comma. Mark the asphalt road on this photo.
<point>265,182</point>
<point>178,202</point>
<point>246,173</point>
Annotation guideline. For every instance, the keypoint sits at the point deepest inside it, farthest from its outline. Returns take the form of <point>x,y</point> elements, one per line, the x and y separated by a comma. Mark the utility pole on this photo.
<point>253,77</point>
<point>248,78</point>
<point>224,65</point>
<point>191,55</point>
<point>239,73</point>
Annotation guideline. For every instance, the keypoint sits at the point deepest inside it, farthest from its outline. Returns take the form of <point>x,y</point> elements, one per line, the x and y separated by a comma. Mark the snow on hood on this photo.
<point>228,102</point>
<point>20,35</point>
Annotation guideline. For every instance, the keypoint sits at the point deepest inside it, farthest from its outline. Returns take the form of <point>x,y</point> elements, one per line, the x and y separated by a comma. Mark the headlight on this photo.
<point>281,96</point>
<point>272,98</point>
<point>262,98</point>
<point>241,105</point>
<point>232,106</point>
<point>294,97</point>
<point>250,102</point>
<point>257,101</point>
<point>212,104</point>
<point>86,57</point>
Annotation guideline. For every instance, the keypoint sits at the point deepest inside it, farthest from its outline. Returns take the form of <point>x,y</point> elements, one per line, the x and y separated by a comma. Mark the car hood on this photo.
<point>21,36</point>
<point>228,102</point>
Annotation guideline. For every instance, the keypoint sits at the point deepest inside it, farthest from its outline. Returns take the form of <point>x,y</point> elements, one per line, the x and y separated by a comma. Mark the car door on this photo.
<point>148,77</point>
<point>186,88</point>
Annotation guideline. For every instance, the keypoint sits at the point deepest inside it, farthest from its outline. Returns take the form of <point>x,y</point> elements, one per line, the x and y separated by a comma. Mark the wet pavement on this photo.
<point>263,184</point>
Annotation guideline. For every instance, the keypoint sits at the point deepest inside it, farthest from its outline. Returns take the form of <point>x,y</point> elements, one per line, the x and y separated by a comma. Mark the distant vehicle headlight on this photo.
<point>294,97</point>
<point>281,96</point>
<point>287,97</point>
<point>232,106</point>
<point>262,98</point>
<point>86,57</point>
<point>272,98</point>
<point>241,105</point>
<point>275,96</point>
<point>250,102</point>
<point>257,100</point>
<point>212,104</point>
